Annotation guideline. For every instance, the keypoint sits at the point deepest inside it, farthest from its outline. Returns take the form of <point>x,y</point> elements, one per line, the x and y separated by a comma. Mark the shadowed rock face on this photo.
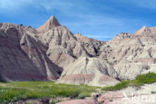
<point>92,46</point>
<point>52,52</point>
<point>23,57</point>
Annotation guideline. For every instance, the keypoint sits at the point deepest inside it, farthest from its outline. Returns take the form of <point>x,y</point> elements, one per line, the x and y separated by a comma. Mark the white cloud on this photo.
<point>102,20</point>
<point>40,4</point>
<point>67,7</point>
<point>80,10</point>
<point>55,4</point>
<point>150,4</point>
<point>13,4</point>
<point>95,21</point>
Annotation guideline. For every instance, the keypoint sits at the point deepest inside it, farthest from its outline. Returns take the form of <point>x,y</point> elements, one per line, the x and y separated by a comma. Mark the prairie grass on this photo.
<point>14,91</point>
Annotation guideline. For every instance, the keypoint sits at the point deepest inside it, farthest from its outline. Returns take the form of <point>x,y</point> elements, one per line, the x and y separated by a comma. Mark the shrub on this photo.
<point>147,78</point>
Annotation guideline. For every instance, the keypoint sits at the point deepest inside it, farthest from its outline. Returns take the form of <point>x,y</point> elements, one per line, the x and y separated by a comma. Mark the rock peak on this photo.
<point>144,28</point>
<point>142,31</point>
<point>51,23</point>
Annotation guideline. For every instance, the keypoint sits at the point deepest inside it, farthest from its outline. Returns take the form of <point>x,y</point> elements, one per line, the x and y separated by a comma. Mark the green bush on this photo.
<point>147,78</point>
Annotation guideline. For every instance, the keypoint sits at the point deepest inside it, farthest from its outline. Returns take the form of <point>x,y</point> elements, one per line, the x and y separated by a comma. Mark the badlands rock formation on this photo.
<point>91,71</point>
<point>23,56</point>
<point>51,23</point>
<point>133,54</point>
<point>52,52</point>
<point>63,47</point>
<point>91,45</point>
<point>71,52</point>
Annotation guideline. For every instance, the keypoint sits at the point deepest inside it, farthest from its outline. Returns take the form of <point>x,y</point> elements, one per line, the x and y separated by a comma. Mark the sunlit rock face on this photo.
<point>51,23</point>
<point>91,71</point>
<point>134,54</point>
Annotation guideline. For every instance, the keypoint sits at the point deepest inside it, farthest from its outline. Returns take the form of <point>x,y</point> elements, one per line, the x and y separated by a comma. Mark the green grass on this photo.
<point>121,85</point>
<point>14,91</point>
<point>139,81</point>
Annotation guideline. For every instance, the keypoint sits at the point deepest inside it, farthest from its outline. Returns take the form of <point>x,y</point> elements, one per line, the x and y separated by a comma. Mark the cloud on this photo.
<point>40,4</point>
<point>13,4</point>
<point>55,4</point>
<point>93,20</point>
<point>148,4</point>
<point>86,16</point>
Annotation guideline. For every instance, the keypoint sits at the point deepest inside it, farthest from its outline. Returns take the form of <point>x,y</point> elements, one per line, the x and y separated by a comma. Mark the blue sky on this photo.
<point>100,19</point>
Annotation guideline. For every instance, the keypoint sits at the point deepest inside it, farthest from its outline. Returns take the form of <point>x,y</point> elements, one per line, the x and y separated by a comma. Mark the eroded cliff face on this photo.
<point>91,71</point>
<point>133,54</point>
<point>52,52</point>
<point>23,56</point>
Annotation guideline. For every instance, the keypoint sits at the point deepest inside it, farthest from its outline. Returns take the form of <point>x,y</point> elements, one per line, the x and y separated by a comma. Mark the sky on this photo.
<point>99,19</point>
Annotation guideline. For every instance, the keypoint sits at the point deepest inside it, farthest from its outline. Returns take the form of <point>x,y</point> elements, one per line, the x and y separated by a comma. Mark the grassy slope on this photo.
<point>139,81</point>
<point>14,91</point>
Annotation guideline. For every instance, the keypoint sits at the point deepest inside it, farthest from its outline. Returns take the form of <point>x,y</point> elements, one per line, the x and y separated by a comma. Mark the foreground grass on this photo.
<point>14,91</point>
<point>139,81</point>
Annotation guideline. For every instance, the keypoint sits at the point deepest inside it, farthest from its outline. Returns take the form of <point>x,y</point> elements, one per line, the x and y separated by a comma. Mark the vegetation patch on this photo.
<point>14,91</point>
<point>139,81</point>
<point>153,92</point>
